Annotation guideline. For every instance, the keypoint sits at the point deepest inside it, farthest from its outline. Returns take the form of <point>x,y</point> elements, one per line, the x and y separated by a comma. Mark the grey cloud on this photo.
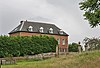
<point>64,13</point>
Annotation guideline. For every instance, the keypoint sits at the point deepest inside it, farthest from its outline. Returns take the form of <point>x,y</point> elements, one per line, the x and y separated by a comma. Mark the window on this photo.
<point>50,30</point>
<point>62,50</point>
<point>41,29</point>
<point>58,40</point>
<point>61,32</point>
<point>63,41</point>
<point>30,28</point>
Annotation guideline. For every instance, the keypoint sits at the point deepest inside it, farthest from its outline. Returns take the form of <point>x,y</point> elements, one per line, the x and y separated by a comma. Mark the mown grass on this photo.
<point>73,60</point>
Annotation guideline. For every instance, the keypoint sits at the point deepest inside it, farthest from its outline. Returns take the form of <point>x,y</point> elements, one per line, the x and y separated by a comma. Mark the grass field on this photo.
<point>73,60</point>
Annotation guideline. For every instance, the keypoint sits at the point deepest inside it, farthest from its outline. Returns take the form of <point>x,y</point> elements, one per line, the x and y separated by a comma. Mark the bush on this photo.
<point>73,47</point>
<point>25,45</point>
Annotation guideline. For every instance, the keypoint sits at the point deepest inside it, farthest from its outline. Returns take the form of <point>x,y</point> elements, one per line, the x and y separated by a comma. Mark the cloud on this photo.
<point>63,13</point>
<point>14,10</point>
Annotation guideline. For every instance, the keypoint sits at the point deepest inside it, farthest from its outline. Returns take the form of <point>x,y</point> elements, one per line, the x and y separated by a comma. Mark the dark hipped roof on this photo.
<point>24,25</point>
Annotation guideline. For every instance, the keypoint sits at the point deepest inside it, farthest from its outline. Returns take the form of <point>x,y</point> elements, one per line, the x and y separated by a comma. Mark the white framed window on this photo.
<point>58,40</point>
<point>41,29</point>
<point>63,41</point>
<point>61,32</point>
<point>30,28</point>
<point>50,30</point>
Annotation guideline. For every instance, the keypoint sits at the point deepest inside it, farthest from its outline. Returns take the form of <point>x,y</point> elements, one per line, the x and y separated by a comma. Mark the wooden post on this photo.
<point>57,51</point>
<point>0,63</point>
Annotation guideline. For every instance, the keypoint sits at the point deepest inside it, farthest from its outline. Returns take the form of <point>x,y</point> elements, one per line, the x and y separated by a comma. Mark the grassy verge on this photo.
<point>73,60</point>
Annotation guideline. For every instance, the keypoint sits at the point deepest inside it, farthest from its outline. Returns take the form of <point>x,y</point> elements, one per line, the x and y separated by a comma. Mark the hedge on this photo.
<point>73,47</point>
<point>26,45</point>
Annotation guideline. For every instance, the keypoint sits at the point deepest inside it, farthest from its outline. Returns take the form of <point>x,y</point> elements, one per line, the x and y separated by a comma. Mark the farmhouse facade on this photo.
<point>27,28</point>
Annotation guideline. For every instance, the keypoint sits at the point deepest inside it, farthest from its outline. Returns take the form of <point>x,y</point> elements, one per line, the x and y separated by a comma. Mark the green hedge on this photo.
<point>73,47</point>
<point>25,45</point>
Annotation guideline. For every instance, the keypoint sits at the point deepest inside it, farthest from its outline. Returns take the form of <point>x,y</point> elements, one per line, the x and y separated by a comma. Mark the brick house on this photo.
<point>27,28</point>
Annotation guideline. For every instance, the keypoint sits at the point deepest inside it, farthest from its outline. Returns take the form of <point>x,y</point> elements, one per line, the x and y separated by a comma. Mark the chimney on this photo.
<point>21,22</point>
<point>26,20</point>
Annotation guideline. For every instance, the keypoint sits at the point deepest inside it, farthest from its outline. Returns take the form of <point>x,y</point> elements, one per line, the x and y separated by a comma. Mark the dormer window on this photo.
<point>41,29</point>
<point>61,32</point>
<point>30,28</point>
<point>50,30</point>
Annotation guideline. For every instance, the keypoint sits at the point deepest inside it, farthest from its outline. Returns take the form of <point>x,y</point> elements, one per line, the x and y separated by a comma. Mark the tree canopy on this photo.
<point>73,47</point>
<point>92,11</point>
<point>92,43</point>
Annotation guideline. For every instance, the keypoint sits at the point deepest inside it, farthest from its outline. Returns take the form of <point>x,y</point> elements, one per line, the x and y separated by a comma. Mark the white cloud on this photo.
<point>64,13</point>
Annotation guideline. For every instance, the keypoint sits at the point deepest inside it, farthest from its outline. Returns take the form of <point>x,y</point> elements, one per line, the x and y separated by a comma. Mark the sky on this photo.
<point>65,14</point>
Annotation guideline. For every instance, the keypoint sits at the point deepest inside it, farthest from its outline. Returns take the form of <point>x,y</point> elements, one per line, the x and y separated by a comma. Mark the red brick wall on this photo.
<point>61,47</point>
<point>15,34</point>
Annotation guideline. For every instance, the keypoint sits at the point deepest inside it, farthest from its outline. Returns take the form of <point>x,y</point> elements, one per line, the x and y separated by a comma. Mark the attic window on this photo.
<point>30,28</point>
<point>61,32</point>
<point>41,29</point>
<point>50,30</point>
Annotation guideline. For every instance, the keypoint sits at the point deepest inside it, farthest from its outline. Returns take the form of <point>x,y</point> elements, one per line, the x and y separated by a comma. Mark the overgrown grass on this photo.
<point>73,60</point>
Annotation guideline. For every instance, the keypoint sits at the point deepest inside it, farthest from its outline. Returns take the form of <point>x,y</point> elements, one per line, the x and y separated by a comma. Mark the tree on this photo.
<point>73,47</point>
<point>92,11</point>
<point>92,43</point>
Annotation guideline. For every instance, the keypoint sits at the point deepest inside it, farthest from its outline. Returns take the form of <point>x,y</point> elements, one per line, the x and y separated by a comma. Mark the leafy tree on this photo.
<point>92,11</point>
<point>73,47</point>
<point>92,43</point>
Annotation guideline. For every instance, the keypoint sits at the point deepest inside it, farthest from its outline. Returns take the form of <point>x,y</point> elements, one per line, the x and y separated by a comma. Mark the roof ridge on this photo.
<point>39,22</point>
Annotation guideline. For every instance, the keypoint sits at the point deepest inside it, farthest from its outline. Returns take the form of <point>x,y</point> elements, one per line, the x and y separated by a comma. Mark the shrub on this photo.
<point>73,47</point>
<point>25,45</point>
